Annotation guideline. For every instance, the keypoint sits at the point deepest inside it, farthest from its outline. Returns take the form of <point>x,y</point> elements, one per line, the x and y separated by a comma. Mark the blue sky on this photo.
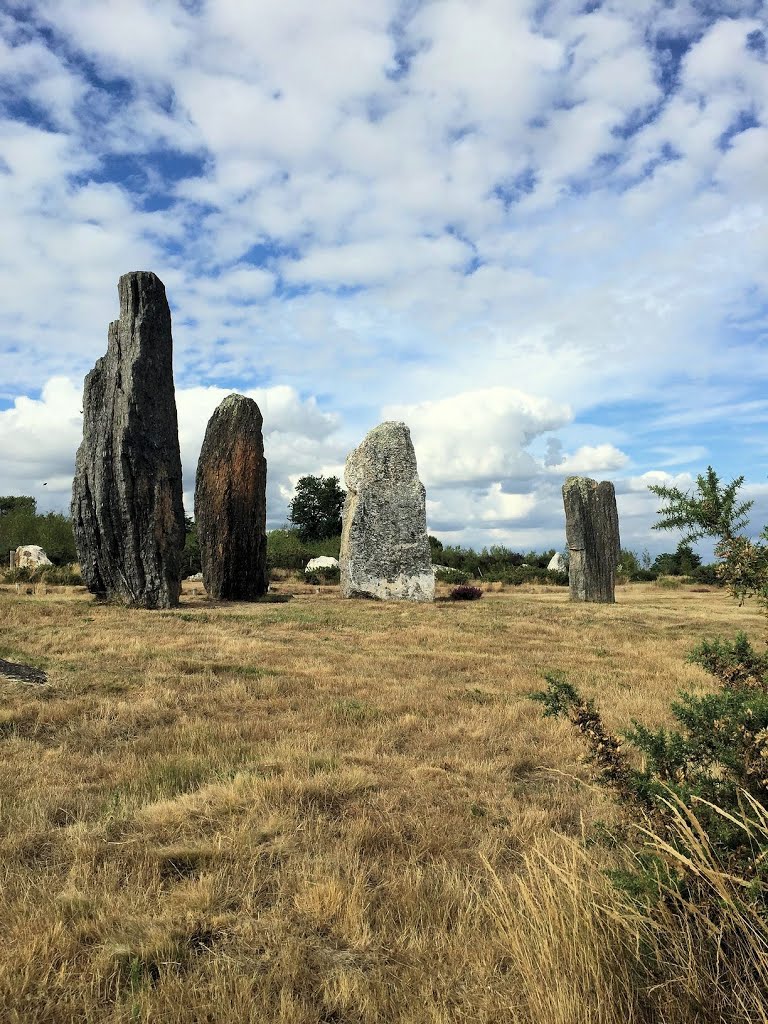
<point>536,232</point>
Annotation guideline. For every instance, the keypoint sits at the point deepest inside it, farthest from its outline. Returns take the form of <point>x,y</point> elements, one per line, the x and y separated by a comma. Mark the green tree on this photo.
<point>435,549</point>
<point>14,503</point>
<point>20,524</point>
<point>56,537</point>
<point>629,564</point>
<point>710,511</point>
<point>315,510</point>
<point>681,562</point>
<point>190,556</point>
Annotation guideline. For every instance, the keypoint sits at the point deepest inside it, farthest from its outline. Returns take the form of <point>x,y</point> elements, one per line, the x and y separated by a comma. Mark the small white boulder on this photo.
<point>30,556</point>
<point>322,562</point>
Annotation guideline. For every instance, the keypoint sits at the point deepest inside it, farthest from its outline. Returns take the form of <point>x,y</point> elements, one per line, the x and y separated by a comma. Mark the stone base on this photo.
<point>403,588</point>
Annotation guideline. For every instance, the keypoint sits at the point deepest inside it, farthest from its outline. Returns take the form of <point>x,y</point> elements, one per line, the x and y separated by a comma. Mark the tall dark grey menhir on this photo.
<point>127,508</point>
<point>592,535</point>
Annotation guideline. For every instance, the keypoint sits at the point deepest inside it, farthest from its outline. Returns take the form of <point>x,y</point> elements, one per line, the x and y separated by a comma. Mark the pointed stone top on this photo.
<point>385,453</point>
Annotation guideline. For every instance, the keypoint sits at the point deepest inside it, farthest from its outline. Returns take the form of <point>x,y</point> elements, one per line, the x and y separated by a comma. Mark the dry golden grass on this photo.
<point>322,811</point>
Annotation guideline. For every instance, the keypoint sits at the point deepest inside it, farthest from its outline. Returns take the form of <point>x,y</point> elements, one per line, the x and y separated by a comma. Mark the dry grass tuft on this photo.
<point>322,811</point>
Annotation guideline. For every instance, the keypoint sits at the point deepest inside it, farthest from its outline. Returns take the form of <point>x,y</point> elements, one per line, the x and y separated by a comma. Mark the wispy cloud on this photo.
<point>394,206</point>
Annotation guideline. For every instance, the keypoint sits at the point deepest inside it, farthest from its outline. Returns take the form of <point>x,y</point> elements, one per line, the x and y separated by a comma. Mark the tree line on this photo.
<point>314,528</point>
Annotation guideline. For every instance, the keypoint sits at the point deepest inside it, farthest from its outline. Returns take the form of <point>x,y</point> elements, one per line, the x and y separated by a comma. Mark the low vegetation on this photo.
<point>338,811</point>
<point>20,523</point>
<point>466,593</point>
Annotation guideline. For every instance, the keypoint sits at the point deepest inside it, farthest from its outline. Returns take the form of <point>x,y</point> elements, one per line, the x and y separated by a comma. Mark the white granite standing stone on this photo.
<point>384,545</point>
<point>557,563</point>
<point>30,556</point>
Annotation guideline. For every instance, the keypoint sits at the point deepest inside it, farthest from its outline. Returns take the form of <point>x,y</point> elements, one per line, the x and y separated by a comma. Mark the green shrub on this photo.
<point>643,576</point>
<point>466,593</point>
<point>707,574</point>
<point>444,574</point>
<point>735,663</point>
<point>714,762</point>
<point>516,575</point>
<point>286,550</point>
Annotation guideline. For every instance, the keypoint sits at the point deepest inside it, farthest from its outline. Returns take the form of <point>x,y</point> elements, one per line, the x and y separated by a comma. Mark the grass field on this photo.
<point>322,812</point>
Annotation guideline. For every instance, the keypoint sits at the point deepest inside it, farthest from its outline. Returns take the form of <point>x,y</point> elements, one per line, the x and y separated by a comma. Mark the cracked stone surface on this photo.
<point>592,535</point>
<point>127,509</point>
<point>384,545</point>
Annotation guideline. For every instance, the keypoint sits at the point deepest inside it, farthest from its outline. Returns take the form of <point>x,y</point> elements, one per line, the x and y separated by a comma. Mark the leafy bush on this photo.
<point>528,574</point>
<point>643,576</point>
<point>286,550</point>
<point>714,765</point>
<point>466,593</point>
<point>680,563</point>
<point>493,564</point>
<point>707,574</point>
<point>696,890</point>
<point>447,575</point>
<point>736,664</point>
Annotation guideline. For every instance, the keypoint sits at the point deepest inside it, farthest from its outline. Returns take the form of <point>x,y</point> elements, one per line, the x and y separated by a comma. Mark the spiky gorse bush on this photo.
<point>714,762</point>
<point>697,888</point>
<point>695,892</point>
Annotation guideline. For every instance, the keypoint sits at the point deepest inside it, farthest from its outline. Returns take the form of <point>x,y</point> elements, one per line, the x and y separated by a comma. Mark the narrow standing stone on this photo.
<point>231,502</point>
<point>384,544</point>
<point>127,509</point>
<point>592,534</point>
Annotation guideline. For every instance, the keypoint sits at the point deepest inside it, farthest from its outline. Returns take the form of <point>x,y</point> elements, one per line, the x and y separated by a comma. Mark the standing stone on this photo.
<point>384,544</point>
<point>127,509</point>
<point>557,563</point>
<point>592,534</point>
<point>231,502</point>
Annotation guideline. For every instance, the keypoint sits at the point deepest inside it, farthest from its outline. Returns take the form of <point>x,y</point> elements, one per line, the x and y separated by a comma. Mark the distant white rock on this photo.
<point>322,562</point>
<point>30,556</point>
<point>557,563</point>
<point>195,578</point>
